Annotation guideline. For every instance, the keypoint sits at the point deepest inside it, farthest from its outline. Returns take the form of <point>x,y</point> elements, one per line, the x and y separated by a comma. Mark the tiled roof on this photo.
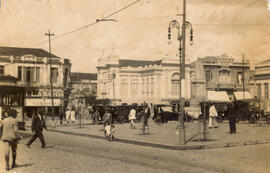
<point>81,76</point>
<point>138,63</point>
<point>17,51</point>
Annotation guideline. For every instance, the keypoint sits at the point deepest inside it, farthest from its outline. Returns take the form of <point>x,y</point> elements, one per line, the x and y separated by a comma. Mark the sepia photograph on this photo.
<point>137,86</point>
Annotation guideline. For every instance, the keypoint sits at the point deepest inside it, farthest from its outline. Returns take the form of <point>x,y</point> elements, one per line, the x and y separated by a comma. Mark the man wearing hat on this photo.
<point>10,136</point>
<point>38,124</point>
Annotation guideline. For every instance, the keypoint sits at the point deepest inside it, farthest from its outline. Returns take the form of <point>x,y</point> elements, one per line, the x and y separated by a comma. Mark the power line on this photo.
<point>149,18</point>
<point>89,25</point>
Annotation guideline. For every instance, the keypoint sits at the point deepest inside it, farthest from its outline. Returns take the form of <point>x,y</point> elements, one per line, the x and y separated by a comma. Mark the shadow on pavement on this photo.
<point>24,165</point>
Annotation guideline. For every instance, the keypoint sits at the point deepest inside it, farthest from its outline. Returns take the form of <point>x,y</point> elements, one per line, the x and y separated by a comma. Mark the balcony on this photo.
<point>225,86</point>
<point>28,83</point>
<point>212,85</point>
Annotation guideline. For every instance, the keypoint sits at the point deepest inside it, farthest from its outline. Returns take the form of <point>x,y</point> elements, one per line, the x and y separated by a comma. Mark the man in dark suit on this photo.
<point>231,117</point>
<point>38,124</point>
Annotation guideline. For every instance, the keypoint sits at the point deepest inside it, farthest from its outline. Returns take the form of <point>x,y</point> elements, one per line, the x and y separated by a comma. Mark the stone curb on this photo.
<point>166,146</point>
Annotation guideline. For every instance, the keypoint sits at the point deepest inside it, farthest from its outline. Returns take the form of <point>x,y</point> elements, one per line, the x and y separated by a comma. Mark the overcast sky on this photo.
<point>233,26</point>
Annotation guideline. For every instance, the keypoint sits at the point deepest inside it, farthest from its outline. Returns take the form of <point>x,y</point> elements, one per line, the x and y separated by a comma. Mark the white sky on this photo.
<point>231,26</point>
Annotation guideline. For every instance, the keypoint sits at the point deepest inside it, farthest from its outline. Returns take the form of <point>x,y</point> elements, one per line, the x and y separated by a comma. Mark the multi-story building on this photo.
<point>141,81</point>
<point>262,81</point>
<point>32,69</point>
<point>220,78</point>
<point>84,87</point>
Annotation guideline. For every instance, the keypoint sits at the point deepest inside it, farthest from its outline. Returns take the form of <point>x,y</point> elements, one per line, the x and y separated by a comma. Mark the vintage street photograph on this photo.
<point>137,86</point>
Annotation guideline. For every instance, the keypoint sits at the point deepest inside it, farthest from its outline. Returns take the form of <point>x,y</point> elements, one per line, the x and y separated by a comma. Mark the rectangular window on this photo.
<point>259,90</point>
<point>54,73</point>
<point>208,76</point>
<point>266,90</point>
<point>134,87</point>
<point>37,74</point>
<point>158,87</point>
<point>65,77</point>
<point>147,86</point>
<point>152,85</point>
<point>239,77</point>
<point>19,73</point>
<point>2,70</point>
<point>28,74</point>
<point>224,76</point>
<point>175,88</point>
<point>124,88</point>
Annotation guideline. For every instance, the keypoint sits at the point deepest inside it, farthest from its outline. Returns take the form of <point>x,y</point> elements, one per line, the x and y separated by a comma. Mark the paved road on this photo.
<point>74,154</point>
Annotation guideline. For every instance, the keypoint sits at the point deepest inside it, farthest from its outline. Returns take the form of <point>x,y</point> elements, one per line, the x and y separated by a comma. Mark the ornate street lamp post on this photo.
<point>181,39</point>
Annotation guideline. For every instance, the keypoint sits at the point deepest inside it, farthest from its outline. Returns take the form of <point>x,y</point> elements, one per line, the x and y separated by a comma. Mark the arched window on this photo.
<point>175,83</point>
<point>124,87</point>
<point>134,87</point>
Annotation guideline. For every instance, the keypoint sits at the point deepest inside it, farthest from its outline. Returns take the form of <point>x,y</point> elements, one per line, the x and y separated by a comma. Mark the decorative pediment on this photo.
<point>29,57</point>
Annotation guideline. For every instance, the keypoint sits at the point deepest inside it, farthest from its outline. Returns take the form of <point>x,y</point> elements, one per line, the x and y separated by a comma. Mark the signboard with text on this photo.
<point>47,93</point>
<point>42,102</point>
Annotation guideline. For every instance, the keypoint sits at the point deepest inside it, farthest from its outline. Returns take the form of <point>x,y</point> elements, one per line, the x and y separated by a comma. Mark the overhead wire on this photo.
<point>89,25</point>
<point>151,18</point>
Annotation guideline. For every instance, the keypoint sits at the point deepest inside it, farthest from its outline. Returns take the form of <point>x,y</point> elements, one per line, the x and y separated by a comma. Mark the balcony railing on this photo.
<point>28,83</point>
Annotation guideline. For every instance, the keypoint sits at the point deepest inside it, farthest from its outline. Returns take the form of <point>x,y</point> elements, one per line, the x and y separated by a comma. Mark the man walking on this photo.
<point>232,118</point>
<point>38,124</point>
<point>10,137</point>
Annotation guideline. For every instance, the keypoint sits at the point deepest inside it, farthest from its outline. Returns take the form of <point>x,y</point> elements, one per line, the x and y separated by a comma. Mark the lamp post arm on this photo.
<point>188,25</point>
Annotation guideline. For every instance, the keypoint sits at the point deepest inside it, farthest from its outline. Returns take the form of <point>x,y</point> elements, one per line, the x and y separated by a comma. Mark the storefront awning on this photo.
<point>218,96</point>
<point>240,95</point>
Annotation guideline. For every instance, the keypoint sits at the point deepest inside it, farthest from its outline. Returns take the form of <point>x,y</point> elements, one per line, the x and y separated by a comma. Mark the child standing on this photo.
<point>109,132</point>
<point>132,117</point>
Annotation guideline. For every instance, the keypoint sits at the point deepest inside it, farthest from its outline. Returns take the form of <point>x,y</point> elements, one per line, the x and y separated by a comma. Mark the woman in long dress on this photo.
<point>68,115</point>
<point>72,115</point>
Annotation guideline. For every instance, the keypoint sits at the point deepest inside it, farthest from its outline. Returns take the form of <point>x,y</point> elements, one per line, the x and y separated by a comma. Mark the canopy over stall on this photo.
<point>240,95</point>
<point>218,96</point>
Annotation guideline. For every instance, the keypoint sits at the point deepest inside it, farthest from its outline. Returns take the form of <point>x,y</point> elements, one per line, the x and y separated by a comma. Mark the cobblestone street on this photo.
<point>66,153</point>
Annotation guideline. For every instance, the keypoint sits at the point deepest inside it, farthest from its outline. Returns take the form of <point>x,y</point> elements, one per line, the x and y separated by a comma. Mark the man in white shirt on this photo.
<point>213,116</point>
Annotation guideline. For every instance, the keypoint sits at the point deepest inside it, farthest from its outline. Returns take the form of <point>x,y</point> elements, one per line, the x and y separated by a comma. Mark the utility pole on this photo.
<point>182,51</point>
<point>49,34</point>
<point>243,77</point>
<point>182,139</point>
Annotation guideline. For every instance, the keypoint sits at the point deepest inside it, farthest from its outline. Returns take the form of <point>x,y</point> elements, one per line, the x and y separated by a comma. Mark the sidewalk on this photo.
<point>167,135</point>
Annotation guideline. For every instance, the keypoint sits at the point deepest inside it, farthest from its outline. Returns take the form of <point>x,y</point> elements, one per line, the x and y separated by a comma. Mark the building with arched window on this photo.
<point>220,74</point>
<point>139,81</point>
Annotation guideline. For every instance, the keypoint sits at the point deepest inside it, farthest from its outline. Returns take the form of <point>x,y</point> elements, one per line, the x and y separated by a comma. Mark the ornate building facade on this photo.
<point>141,81</point>
<point>31,67</point>
<point>262,81</point>
<point>220,73</point>
<point>220,78</point>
